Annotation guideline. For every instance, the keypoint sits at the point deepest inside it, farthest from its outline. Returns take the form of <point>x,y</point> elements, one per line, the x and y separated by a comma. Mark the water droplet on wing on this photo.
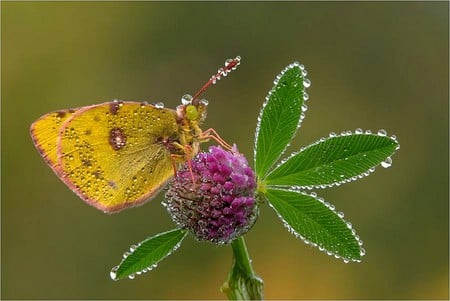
<point>186,99</point>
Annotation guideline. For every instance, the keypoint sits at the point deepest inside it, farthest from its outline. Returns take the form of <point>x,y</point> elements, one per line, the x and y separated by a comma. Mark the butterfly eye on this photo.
<point>191,112</point>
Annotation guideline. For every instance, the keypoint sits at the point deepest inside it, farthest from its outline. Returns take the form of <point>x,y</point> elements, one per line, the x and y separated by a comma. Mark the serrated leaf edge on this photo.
<point>271,91</point>
<point>133,248</point>
<point>338,214</point>
<point>338,183</point>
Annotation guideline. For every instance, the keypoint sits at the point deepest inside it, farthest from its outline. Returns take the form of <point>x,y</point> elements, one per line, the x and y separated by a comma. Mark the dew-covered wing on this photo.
<point>112,155</point>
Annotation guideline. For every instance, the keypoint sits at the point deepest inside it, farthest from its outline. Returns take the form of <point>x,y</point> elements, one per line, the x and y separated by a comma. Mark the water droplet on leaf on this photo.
<point>306,83</point>
<point>387,163</point>
<point>382,133</point>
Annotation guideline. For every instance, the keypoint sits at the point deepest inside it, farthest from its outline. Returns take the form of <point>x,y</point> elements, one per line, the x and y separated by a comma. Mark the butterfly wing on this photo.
<point>112,155</point>
<point>45,131</point>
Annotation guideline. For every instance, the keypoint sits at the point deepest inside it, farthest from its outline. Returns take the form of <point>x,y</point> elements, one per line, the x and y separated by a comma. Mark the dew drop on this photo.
<point>204,102</point>
<point>340,214</point>
<point>305,96</point>
<point>368,132</point>
<point>382,133</point>
<point>113,273</point>
<point>228,61</point>
<point>306,83</point>
<point>387,163</point>
<point>159,105</point>
<point>186,99</point>
<point>133,248</point>
<point>304,107</point>
<point>362,251</point>
<point>332,134</point>
<point>131,276</point>
<point>346,260</point>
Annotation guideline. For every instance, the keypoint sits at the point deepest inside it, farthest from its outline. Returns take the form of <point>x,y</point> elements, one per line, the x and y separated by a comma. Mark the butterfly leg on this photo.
<point>212,134</point>
<point>187,156</point>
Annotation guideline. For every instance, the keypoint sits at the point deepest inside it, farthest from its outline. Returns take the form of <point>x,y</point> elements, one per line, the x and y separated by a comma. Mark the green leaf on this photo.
<point>147,254</point>
<point>334,160</point>
<point>280,117</point>
<point>312,220</point>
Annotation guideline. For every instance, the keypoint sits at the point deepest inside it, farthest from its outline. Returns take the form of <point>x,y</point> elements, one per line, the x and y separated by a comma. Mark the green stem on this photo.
<point>243,283</point>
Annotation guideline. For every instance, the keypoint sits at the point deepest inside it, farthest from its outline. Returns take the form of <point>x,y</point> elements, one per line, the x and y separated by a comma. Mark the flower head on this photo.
<point>215,199</point>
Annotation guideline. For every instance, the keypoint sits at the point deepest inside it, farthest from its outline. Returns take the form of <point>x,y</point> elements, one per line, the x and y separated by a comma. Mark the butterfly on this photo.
<point>120,154</point>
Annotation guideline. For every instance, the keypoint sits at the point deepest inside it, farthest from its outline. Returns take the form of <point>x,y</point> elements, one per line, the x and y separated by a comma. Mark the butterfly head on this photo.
<point>192,110</point>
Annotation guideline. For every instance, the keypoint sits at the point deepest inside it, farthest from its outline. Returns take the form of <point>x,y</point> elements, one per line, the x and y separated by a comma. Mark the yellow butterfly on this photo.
<point>120,154</point>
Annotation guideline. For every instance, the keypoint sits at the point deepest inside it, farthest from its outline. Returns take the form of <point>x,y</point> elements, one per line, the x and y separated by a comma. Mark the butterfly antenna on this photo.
<point>230,65</point>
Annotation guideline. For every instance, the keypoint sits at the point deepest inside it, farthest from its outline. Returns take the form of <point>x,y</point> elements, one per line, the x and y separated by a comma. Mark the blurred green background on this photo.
<point>372,65</point>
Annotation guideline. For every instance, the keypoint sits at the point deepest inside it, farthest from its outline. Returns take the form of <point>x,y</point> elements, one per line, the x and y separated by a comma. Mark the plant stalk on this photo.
<point>243,283</point>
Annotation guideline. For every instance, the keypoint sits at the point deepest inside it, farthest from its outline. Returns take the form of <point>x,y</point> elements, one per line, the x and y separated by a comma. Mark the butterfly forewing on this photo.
<point>113,155</point>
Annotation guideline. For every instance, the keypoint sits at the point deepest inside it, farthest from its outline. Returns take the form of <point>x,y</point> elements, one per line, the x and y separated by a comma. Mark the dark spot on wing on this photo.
<point>115,106</point>
<point>60,114</point>
<point>117,138</point>
<point>112,184</point>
